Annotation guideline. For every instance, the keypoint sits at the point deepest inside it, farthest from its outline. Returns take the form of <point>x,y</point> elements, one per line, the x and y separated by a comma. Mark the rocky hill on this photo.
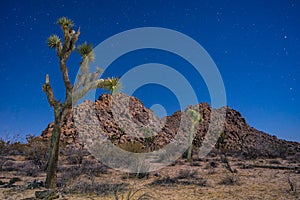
<point>116,121</point>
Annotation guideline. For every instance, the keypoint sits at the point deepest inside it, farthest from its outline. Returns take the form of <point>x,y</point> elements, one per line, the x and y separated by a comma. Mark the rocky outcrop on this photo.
<point>124,119</point>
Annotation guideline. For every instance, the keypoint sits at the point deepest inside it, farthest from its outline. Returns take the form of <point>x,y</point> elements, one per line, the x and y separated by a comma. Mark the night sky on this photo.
<point>255,45</point>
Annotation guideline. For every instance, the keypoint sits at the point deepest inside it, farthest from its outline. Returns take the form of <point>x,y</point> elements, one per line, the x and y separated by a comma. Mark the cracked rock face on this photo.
<point>124,119</point>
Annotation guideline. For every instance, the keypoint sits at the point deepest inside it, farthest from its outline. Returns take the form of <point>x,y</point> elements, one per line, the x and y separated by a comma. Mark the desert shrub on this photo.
<point>167,181</point>
<point>45,194</point>
<point>37,151</point>
<point>24,168</point>
<point>187,174</point>
<point>12,165</point>
<point>96,169</point>
<point>8,165</point>
<point>30,171</point>
<point>3,160</point>
<point>276,162</point>
<point>188,177</point>
<point>211,167</point>
<point>74,156</point>
<point>14,149</point>
<point>2,146</point>
<point>131,194</point>
<point>68,174</point>
<point>276,150</point>
<point>244,166</point>
<point>293,186</point>
<point>227,165</point>
<point>251,153</point>
<point>94,188</point>
<point>11,146</point>
<point>231,179</point>
<point>197,164</point>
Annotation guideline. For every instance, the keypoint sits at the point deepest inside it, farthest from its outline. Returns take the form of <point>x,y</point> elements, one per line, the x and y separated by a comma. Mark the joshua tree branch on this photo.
<point>49,92</point>
<point>80,93</point>
<point>65,74</point>
<point>94,84</point>
<point>70,39</point>
<point>59,48</point>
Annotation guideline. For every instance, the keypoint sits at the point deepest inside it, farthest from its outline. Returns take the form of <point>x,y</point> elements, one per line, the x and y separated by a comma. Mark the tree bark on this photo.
<point>51,178</point>
<point>190,149</point>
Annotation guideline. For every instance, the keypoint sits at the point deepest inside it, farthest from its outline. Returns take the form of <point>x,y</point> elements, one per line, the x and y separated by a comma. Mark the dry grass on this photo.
<point>82,177</point>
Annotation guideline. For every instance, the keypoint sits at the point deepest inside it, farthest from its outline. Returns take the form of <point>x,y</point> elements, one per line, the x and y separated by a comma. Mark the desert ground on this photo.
<point>81,176</point>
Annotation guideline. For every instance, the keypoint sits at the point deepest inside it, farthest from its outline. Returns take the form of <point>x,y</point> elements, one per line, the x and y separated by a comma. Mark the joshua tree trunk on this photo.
<point>190,150</point>
<point>86,81</point>
<point>195,118</point>
<point>51,179</point>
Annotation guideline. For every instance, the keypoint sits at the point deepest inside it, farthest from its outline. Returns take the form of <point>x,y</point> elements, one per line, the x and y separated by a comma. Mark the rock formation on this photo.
<point>129,112</point>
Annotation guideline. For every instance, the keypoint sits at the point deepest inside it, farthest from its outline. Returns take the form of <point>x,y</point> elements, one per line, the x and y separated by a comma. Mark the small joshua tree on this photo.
<point>86,81</point>
<point>195,118</point>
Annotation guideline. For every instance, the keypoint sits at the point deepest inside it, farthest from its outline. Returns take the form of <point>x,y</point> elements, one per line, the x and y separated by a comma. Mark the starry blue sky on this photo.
<point>255,44</point>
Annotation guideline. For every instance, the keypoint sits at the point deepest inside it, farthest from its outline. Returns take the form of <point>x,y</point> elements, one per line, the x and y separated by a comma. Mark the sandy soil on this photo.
<point>197,181</point>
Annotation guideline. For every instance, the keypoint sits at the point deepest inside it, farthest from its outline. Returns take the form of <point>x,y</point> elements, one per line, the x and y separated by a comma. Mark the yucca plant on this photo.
<point>86,51</point>
<point>86,81</point>
<point>64,21</point>
<point>111,84</point>
<point>53,41</point>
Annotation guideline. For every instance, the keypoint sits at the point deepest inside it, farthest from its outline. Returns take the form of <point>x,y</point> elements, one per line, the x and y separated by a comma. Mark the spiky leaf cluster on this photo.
<point>111,84</point>
<point>64,21</point>
<point>53,41</point>
<point>86,51</point>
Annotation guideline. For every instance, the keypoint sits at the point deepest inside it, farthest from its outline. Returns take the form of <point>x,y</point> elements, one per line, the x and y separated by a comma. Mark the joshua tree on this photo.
<point>86,81</point>
<point>195,118</point>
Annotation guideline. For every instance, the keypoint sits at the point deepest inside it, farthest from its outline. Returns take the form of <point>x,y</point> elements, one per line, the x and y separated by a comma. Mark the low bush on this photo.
<point>187,174</point>
<point>37,151</point>
<point>276,162</point>
<point>94,188</point>
<point>131,194</point>
<point>232,179</point>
